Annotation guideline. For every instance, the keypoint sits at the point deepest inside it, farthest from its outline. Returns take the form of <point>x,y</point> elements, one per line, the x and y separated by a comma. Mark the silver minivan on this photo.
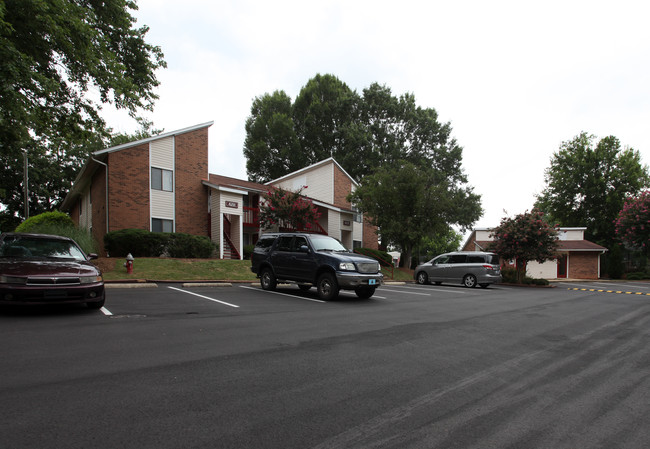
<point>461,267</point>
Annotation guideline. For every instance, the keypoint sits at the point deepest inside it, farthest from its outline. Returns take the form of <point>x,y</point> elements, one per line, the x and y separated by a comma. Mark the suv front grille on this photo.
<point>368,267</point>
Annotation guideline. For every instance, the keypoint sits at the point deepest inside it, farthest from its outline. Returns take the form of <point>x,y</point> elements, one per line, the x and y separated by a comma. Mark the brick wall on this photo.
<point>342,188</point>
<point>191,196</point>
<point>98,199</point>
<point>583,265</point>
<point>370,237</point>
<point>128,183</point>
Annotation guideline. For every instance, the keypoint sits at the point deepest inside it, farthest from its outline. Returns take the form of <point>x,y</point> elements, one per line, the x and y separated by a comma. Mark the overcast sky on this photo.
<point>515,79</point>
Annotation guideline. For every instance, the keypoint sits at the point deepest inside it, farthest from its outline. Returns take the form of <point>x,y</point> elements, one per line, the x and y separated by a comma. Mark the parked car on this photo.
<point>467,268</point>
<point>314,260</point>
<point>47,269</point>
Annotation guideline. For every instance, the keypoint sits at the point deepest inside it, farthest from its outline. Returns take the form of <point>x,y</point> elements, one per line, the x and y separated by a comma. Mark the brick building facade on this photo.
<point>577,258</point>
<point>163,183</point>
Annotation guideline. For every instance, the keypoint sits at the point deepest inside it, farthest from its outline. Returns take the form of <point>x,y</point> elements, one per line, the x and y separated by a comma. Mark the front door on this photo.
<point>562,266</point>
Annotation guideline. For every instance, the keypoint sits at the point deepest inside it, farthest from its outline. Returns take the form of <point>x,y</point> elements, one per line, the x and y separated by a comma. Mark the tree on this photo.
<point>633,223</point>
<point>524,238</point>
<point>57,55</point>
<point>409,202</point>
<point>440,243</point>
<point>362,132</point>
<point>271,147</point>
<point>587,185</point>
<point>288,209</point>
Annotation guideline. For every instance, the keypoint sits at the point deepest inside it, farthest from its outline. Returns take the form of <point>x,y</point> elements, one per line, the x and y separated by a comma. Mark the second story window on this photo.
<point>162,179</point>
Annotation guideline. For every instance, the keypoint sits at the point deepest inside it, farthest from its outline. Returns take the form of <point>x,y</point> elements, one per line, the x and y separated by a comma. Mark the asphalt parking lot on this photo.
<point>413,367</point>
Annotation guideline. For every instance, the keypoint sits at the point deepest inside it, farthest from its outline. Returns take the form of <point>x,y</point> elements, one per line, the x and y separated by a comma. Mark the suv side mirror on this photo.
<point>304,249</point>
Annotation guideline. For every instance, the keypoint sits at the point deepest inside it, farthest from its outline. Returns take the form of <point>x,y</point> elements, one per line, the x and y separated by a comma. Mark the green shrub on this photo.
<point>185,246</point>
<point>137,242</point>
<point>637,276</point>
<point>509,275</point>
<point>382,256</point>
<point>37,222</point>
<point>248,250</point>
<point>142,243</point>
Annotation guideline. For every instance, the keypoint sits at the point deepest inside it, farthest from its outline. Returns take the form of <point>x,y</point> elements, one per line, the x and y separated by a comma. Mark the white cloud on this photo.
<point>514,78</point>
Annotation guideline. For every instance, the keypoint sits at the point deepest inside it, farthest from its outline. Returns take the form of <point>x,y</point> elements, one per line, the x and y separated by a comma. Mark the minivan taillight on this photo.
<point>488,267</point>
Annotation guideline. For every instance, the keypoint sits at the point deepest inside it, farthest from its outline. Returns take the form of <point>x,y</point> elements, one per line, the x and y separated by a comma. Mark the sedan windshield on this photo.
<point>325,243</point>
<point>29,247</point>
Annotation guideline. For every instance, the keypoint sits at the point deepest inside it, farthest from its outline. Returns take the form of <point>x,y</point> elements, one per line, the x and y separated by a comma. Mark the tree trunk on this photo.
<point>521,270</point>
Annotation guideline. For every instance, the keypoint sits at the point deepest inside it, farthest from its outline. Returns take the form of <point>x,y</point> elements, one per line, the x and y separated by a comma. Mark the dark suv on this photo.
<point>314,259</point>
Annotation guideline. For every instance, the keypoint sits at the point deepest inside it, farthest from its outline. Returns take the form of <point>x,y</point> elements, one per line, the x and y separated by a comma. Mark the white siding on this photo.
<point>162,153</point>
<point>163,203</point>
<point>319,182</point>
<point>546,270</point>
<point>85,218</point>
<point>334,224</point>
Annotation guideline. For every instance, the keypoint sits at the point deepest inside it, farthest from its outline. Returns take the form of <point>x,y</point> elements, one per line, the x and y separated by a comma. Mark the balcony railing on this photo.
<point>252,218</point>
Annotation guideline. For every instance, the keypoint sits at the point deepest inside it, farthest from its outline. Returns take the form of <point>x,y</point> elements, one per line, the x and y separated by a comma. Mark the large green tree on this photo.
<point>61,61</point>
<point>362,132</point>
<point>586,184</point>
<point>409,202</point>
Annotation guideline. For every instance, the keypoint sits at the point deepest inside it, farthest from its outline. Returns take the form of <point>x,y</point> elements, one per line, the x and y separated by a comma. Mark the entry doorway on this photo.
<point>562,262</point>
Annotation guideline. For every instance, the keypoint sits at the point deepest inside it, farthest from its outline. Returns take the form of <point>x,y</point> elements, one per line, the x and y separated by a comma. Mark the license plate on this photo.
<point>372,282</point>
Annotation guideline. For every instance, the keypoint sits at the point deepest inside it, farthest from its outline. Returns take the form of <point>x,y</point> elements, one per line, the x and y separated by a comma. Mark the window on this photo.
<point>162,179</point>
<point>356,244</point>
<point>284,243</point>
<point>458,258</point>
<point>298,242</point>
<point>161,225</point>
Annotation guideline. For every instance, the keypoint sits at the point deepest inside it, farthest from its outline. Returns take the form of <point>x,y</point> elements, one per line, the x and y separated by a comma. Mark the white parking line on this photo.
<point>437,289</point>
<point>402,291</point>
<point>283,294</point>
<point>204,297</point>
<point>105,311</point>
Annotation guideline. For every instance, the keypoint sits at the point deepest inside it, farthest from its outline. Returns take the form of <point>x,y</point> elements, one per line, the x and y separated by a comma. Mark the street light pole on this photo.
<point>26,185</point>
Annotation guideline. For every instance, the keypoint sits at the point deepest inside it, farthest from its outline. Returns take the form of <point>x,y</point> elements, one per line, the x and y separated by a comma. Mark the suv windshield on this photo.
<point>326,243</point>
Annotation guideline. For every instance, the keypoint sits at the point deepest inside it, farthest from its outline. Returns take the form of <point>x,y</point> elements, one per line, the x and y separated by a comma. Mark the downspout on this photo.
<point>106,166</point>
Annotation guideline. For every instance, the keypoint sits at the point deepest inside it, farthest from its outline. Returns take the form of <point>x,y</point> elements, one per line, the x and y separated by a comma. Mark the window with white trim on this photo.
<point>162,225</point>
<point>162,179</point>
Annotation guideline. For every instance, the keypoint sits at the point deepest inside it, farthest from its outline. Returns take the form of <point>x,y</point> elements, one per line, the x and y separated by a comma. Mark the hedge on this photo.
<point>142,243</point>
<point>382,256</point>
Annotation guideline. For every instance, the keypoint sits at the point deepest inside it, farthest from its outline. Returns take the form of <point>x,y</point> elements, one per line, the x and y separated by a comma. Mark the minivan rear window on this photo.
<point>476,258</point>
<point>493,259</point>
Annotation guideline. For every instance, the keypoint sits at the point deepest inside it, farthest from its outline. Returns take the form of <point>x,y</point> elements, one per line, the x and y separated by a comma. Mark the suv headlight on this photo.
<point>347,266</point>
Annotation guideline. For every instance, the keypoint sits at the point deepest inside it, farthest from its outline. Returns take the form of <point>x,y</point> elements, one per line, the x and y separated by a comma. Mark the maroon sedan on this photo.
<point>47,269</point>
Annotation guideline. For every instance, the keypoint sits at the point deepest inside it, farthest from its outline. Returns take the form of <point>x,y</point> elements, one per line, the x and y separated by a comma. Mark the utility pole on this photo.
<point>26,185</point>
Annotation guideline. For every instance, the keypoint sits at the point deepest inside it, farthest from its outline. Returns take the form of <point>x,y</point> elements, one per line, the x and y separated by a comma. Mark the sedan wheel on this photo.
<point>469,281</point>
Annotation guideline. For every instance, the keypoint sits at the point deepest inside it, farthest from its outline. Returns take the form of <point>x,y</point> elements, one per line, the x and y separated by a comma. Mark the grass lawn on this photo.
<point>161,269</point>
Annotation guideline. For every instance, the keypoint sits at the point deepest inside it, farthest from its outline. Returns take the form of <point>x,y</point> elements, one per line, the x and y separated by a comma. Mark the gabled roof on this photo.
<point>216,181</point>
<point>311,167</point>
<point>98,158</point>
<point>151,139</point>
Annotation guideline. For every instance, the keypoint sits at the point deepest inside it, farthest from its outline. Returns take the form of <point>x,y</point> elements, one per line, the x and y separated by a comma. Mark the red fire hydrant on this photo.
<point>129,264</point>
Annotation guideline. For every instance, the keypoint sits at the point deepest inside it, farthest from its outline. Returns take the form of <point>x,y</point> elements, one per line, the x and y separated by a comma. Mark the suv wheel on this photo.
<point>267,279</point>
<point>469,281</point>
<point>327,287</point>
<point>364,292</point>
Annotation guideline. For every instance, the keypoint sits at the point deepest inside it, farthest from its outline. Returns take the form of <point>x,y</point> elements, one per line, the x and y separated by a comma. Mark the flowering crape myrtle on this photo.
<point>633,222</point>
<point>288,209</point>
<point>524,238</point>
